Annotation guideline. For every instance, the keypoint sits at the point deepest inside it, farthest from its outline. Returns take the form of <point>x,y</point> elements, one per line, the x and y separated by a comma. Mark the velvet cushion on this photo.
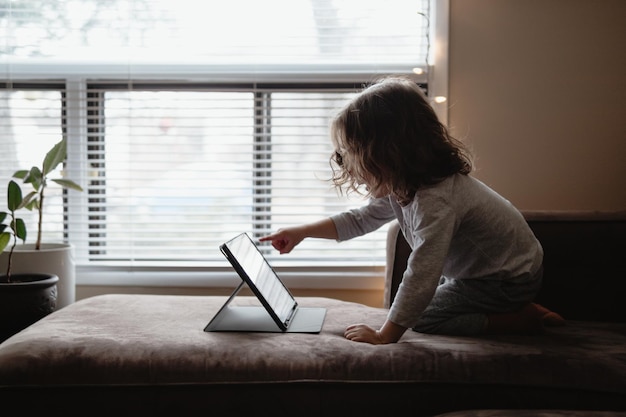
<point>159,339</point>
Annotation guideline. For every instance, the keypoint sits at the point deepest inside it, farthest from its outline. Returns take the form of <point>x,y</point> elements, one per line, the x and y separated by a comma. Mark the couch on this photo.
<point>122,354</point>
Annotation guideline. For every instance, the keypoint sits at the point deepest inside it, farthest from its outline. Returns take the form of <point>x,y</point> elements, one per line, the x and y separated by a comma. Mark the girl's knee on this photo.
<point>462,325</point>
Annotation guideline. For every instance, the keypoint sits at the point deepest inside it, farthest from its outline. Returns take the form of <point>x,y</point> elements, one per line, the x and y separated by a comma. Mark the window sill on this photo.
<point>327,277</point>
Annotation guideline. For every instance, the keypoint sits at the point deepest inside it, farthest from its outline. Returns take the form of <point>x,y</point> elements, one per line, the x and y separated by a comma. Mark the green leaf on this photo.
<point>3,216</point>
<point>54,157</point>
<point>30,201</point>
<point>35,177</point>
<point>32,205</point>
<point>21,174</point>
<point>5,238</point>
<point>14,196</point>
<point>3,227</point>
<point>68,184</point>
<point>20,229</point>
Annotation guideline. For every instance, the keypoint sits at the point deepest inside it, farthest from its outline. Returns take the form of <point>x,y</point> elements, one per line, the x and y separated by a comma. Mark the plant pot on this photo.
<point>54,259</point>
<point>25,300</point>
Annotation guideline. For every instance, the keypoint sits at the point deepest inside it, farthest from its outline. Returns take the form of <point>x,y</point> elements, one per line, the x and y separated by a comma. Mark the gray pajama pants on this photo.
<point>460,306</point>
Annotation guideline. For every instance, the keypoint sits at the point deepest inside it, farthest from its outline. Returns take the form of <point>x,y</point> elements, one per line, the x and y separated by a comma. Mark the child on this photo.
<point>475,265</point>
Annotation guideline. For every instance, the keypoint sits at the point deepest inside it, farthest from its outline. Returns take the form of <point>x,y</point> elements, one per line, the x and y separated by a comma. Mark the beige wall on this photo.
<point>538,89</point>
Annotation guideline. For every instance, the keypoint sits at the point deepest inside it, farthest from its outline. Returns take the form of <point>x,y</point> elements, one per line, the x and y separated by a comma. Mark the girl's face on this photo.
<point>363,178</point>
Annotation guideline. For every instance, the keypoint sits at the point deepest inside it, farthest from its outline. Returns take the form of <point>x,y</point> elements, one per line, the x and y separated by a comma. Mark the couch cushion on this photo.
<point>156,339</point>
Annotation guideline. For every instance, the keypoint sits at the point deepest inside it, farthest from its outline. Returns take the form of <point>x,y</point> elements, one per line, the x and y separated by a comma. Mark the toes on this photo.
<point>552,319</point>
<point>549,318</point>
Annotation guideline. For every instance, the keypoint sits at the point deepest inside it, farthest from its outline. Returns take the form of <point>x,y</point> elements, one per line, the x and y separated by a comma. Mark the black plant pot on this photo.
<point>25,300</point>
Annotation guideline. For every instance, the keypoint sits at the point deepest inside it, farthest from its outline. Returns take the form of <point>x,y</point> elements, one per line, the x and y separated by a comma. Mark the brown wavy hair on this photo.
<point>391,136</point>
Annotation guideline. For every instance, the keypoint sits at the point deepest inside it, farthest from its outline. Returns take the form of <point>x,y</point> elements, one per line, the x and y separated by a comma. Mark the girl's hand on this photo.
<point>363,333</point>
<point>284,240</point>
<point>388,333</point>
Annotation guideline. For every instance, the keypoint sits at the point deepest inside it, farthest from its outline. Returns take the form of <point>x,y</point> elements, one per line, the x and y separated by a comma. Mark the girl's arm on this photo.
<point>341,226</point>
<point>284,240</point>
<point>390,332</point>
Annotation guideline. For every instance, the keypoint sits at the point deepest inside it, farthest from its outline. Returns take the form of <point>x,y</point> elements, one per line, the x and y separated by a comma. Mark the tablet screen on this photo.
<point>261,275</point>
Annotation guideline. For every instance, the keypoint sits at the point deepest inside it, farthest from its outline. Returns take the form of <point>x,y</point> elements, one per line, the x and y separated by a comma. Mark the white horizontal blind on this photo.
<point>186,128</point>
<point>31,123</point>
<point>177,171</point>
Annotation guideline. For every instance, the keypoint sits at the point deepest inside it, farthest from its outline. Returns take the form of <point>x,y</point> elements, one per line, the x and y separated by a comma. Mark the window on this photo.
<point>187,126</point>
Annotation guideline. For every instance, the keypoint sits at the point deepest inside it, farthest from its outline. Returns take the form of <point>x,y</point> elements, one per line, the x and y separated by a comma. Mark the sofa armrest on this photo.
<point>398,251</point>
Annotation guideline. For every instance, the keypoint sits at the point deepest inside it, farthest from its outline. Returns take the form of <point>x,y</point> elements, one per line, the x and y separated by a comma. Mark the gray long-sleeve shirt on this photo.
<point>459,228</point>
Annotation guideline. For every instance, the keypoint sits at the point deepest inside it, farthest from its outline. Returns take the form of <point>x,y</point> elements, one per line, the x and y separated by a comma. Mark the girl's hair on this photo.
<point>390,137</point>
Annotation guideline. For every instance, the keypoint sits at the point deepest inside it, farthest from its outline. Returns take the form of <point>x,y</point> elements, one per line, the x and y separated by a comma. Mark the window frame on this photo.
<point>76,80</point>
<point>186,274</point>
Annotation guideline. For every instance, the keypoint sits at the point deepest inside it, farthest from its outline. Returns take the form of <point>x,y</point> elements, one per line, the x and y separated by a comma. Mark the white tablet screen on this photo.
<point>261,275</point>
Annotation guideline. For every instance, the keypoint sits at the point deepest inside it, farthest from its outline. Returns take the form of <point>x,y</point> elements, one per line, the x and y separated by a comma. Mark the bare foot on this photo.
<point>549,318</point>
<point>531,319</point>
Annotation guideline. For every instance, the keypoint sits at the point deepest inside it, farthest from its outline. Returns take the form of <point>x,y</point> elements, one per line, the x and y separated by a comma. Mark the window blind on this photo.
<point>179,170</point>
<point>288,39</point>
<point>187,126</point>
<point>31,112</point>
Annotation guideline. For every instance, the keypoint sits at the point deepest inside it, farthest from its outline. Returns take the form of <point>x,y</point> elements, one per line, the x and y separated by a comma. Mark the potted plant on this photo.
<point>27,264</point>
<point>24,298</point>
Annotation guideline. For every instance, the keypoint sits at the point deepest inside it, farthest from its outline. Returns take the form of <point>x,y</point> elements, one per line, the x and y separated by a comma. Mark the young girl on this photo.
<point>475,265</point>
